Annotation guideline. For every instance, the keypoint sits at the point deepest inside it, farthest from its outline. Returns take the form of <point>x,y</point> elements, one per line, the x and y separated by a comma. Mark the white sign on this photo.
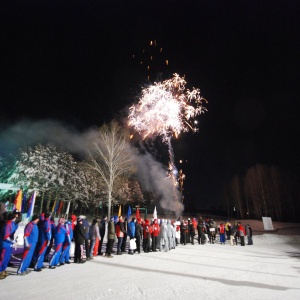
<point>268,225</point>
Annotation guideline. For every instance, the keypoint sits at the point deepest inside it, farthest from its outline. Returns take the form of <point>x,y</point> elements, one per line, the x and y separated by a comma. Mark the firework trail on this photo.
<point>167,109</point>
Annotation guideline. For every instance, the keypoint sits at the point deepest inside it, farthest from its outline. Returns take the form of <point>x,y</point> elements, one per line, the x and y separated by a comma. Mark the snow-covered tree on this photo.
<point>49,171</point>
<point>94,185</point>
<point>110,156</point>
<point>127,191</point>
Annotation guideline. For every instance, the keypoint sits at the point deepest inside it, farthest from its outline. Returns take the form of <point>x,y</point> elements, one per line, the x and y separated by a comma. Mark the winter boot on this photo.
<point>2,276</point>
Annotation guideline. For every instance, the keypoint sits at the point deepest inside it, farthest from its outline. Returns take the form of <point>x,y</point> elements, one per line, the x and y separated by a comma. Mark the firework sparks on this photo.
<point>166,108</point>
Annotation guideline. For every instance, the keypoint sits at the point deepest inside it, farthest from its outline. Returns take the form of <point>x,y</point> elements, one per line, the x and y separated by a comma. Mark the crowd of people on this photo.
<point>46,241</point>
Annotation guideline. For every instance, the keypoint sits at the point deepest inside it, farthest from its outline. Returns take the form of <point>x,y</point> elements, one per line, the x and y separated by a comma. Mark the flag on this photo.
<point>128,213</point>
<point>54,205</point>
<point>6,205</point>
<point>31,205</point>
<point>60,207</point>
<point>68,208</point>
<point>24,202</point>
<point>146,214</point>
<point>120,211</point>
<point>18,201</point>
<point>155,213</point>
<point>137,213</point>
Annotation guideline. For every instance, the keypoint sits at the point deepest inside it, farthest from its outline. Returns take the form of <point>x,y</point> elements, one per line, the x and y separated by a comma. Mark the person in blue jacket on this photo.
<point>49,247</point>
<point>131,232</point>
<point>31,235</point>
<point>6,244</point>
<point>65,256</point>
<point>59,238</point>
<point>43,241</point>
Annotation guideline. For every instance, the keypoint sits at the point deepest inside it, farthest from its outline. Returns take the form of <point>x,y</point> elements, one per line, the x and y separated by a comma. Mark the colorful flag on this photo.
<point>128,213</point>
<point>6,205</point>
<point>61,205</point>
<point>24,202</point>
<point>18,201</point>
<point>31,205</point>
<point>155,213</point>
<point>56,206</point>
<point>68,208</point>
<point>137,213</point>
<point>120,211</point>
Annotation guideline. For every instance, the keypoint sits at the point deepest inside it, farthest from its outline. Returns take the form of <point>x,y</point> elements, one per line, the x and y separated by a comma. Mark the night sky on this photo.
<point>71,61</point>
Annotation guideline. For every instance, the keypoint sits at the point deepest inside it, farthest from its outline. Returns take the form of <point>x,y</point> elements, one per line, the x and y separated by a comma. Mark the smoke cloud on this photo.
<point>151,173</point>
<point>29,133</point>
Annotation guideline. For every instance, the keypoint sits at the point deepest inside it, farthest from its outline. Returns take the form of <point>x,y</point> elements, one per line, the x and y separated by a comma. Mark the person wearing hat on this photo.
<point>249,234</point>
<point>131,234</point>
<point>138,235</point>
<point>59,237</point>
<point>147,230</point>
<point>65,256</point>
<point>102,229</point>
<point>111,233</point>
<point>79,237</point>
<point>6,244</point>
<point>44,226</point>
<point>31,234</point>
<point>120,231</point>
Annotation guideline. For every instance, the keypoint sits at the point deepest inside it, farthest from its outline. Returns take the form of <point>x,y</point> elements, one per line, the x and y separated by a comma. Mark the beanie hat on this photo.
<point>10,217</point>
<point>34,217</point>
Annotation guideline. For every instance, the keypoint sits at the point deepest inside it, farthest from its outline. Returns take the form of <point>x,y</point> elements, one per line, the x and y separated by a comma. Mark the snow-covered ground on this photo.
<point>270,269</point>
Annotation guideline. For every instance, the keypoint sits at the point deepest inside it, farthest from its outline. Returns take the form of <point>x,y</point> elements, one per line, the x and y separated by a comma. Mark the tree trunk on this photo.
<point>42,202</point>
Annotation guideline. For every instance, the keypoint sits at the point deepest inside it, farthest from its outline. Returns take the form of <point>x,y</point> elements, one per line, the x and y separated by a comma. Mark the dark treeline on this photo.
<point>263,191</point>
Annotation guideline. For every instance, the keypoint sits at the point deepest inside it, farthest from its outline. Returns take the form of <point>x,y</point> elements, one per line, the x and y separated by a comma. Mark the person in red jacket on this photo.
<point>155,234</point>
<point>120,231</point>
<point>147,231</point>
<point>242,233</point>
<point>221,229</point>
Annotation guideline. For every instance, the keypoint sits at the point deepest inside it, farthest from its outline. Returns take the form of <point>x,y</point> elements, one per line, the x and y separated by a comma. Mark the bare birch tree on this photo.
<point>110,156</point>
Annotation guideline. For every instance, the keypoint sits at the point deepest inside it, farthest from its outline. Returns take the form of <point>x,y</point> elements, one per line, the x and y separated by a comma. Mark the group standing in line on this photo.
<point>155,235</point>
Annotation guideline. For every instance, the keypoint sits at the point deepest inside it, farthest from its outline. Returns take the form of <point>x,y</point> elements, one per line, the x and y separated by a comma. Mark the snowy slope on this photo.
<point>270,269</point>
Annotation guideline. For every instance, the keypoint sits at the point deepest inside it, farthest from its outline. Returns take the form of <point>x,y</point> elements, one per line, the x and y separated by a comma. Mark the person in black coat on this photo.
<point>138,235</point>
<point>249,234</point>
<point>123,246</point>
<point>191,231</point>
<point>183,229</point>
<point>102,228</point>
<point>79,238</point>
<point>201,232</point>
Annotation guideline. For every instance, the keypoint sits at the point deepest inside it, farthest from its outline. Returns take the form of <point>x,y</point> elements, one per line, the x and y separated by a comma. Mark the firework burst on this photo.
<point>166,109</point>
